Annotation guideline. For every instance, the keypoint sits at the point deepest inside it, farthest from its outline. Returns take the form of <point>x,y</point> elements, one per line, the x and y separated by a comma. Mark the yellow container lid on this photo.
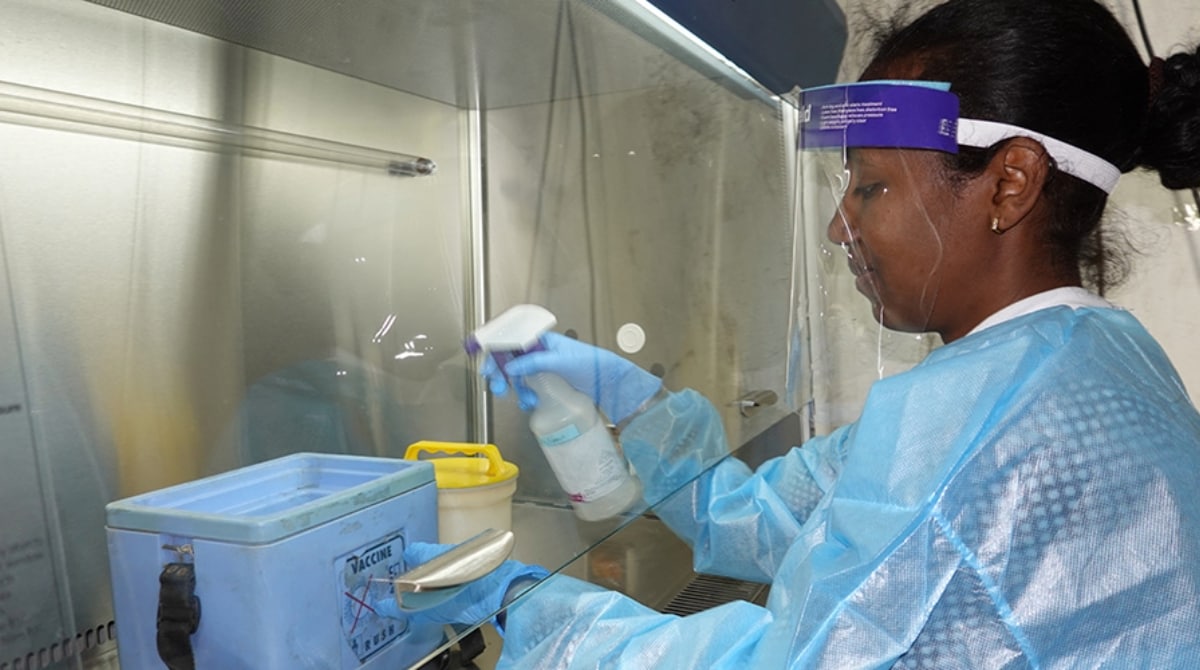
<point>481,466</point>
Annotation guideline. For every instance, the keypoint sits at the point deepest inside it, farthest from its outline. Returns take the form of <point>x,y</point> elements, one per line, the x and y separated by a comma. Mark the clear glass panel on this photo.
<point>667,206</point>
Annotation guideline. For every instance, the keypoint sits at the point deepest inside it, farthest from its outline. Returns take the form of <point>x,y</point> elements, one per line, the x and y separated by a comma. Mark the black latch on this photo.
<point>178,615</point>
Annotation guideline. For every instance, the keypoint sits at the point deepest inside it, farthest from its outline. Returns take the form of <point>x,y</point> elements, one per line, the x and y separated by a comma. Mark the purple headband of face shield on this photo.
<point>923,115</point>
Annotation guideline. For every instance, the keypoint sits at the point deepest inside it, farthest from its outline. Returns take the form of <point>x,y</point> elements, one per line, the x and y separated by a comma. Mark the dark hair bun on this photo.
<point>1171,145</point>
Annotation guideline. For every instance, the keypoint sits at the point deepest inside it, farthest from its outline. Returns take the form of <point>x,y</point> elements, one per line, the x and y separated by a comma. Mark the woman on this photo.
<point>1027,496</point>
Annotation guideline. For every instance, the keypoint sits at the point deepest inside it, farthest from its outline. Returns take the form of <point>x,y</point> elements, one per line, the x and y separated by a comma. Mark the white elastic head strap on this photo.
<point>1070,159</point>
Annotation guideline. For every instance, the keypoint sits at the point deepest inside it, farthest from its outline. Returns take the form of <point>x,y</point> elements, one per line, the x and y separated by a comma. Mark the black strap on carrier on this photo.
<point>178,615</point>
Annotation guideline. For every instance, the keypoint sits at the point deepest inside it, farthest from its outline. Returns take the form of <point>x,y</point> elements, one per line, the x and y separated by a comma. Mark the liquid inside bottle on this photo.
<point>581,450</point>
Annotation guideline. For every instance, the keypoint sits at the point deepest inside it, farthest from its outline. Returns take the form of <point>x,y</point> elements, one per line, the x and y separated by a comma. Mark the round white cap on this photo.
<point>631,338</point>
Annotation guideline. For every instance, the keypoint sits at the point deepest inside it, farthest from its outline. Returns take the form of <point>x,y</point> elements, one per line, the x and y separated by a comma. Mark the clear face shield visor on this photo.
<point>884,229</point>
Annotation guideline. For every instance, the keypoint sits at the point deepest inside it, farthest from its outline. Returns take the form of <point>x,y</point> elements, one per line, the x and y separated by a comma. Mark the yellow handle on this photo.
<point>467,448</point>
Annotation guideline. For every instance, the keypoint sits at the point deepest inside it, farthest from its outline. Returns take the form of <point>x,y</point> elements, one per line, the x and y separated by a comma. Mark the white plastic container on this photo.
<point>475,491</point>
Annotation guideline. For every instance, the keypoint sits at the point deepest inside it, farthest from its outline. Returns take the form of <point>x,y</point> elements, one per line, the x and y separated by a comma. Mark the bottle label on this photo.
<point>560,437</point>
<point>588,466</point>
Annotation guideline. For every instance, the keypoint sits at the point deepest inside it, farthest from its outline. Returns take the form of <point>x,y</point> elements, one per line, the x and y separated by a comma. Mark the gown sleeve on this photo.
<point>738,522</point>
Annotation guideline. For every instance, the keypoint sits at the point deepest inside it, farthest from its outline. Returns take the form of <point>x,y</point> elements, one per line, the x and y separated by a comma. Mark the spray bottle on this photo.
<point>567,425</point>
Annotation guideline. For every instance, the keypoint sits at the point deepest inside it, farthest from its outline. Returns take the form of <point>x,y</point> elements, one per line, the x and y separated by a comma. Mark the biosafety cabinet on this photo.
<point>234,230</point>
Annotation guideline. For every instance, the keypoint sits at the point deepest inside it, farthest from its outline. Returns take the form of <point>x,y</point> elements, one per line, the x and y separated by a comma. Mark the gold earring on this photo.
<point>996,225</point>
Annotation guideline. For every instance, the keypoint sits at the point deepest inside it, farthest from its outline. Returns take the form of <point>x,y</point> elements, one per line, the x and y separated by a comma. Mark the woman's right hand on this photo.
<point>617,385</point>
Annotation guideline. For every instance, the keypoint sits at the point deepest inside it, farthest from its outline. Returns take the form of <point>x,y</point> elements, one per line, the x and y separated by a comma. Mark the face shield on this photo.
<point>879,150</point>
<point>875,145</point>
<point>890,249</point>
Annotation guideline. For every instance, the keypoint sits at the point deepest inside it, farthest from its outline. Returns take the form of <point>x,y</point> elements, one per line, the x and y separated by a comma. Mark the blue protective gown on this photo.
<point>1027,496</point>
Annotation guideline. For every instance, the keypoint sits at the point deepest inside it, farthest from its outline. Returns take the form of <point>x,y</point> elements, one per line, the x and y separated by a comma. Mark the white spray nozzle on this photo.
<point>516,329</point>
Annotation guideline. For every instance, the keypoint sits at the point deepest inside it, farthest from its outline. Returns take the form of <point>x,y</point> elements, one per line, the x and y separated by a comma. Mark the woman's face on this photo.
<point>912,240</point>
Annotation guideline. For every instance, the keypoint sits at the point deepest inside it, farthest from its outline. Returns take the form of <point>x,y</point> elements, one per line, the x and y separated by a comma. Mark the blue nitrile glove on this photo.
<point>480,599</point>
<point>614,383</point>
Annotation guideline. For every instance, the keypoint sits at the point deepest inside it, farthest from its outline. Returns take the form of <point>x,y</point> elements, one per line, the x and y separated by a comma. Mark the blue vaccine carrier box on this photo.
<point>286,556</point>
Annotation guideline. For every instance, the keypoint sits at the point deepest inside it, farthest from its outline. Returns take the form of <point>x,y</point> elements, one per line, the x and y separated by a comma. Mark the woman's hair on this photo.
<point>1067,69</point>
